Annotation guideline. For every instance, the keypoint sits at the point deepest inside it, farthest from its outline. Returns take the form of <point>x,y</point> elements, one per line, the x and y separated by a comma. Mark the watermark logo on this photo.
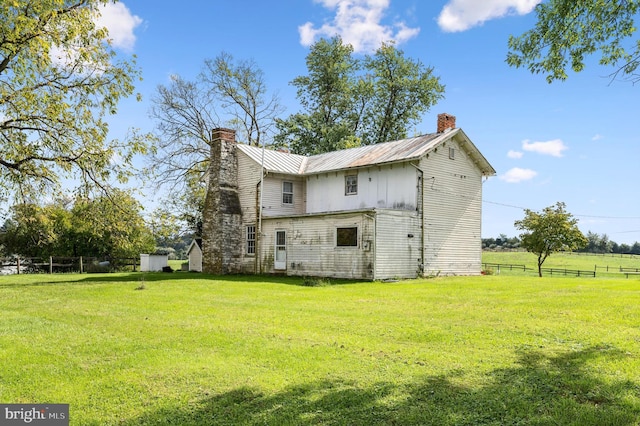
<point>34,414</point>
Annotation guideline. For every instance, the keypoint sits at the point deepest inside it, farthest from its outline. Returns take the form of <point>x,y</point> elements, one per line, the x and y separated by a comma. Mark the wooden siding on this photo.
<point>312,249</point>
<point>452,212</point>
<point>248,181</point>
<point>195,259</point>
<point>386,187</point>
<point>398,244</point>
<point>272,198</point>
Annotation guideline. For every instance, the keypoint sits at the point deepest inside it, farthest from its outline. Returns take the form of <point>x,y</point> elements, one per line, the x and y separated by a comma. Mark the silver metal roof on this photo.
<point>383,153</point>
<point>275,161</point>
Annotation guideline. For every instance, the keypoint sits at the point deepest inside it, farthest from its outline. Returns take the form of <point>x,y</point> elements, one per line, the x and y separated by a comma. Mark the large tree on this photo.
<point>567,31</point>
<point>552,230</point>
<point>226,93</point>
<point>348,101</point>
<point>59,78</point>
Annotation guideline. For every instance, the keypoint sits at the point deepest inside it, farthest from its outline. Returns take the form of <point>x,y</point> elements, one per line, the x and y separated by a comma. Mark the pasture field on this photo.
<point>192,349</point>
<point>607,265</point>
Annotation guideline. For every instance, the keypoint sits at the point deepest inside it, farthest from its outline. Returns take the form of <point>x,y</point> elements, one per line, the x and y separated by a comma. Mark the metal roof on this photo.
<point>383,153</point>
<point>275,161</point>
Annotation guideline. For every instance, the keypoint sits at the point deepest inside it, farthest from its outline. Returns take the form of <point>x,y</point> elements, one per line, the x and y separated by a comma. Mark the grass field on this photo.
<point>604,265</point>
<point>189,349</point>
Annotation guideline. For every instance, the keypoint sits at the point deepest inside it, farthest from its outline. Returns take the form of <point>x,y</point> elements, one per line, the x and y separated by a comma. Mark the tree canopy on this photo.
<point>349,102</point>
<point>59,78</point>
<point>549,231</point>
<point>567,31</point>
<point>96,227</point>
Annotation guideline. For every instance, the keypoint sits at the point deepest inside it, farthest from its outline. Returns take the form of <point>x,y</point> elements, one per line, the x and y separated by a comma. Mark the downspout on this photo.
<point>373,243</point>
<point>421,214</point>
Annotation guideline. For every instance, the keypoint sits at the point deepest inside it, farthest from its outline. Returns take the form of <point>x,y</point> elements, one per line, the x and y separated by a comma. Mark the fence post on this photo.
<point>81,266</point>
<point>18,265</point>
<point>50,264</point>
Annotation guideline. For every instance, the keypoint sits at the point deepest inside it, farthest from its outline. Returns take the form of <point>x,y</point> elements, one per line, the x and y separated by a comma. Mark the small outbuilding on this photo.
<point>153,262</point>
<point>195,255</point>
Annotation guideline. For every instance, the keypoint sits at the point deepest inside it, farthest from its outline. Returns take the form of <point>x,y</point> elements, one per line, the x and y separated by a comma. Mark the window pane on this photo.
<point>251,239</point>
<point>351,185</point>
<point>347,237</point>
<point>287,192</point>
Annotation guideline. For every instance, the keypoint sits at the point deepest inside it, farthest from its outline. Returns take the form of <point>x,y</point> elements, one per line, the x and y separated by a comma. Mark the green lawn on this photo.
<point>189,349</point>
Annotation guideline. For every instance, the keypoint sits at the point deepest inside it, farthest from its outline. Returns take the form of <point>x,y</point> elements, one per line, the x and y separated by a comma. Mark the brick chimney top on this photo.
<point>446,122</point>
<point>227,135</point>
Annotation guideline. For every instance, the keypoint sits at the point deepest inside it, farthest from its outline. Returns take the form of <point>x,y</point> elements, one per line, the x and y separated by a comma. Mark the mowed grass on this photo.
<point>189,349</point>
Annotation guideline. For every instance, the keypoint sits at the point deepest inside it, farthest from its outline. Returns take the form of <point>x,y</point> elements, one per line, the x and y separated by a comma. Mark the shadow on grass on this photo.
<point>31,280</point>
<point>539,390</point>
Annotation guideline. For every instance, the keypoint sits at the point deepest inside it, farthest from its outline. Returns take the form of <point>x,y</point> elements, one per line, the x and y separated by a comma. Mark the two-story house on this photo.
<point>399,209</point>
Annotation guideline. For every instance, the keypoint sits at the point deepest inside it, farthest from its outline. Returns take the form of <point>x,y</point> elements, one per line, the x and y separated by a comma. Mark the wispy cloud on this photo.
<point>517,175</point>
<point>359,23</point>
<point>514,154</point>
<point>117,18</point>
<point>554,147</point>
<point>597,137</point>
<point>460,15</point>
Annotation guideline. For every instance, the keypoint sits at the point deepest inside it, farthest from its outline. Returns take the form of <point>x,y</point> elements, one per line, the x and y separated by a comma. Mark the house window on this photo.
<point>351,185</point>
<point>347,237</point>
<point>287,193</point>
<point>452,153</point>
<point>251,239</point>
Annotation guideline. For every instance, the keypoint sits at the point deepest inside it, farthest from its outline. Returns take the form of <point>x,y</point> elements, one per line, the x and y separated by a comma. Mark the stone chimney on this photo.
<point>446,122</point>
<point>222,214</point>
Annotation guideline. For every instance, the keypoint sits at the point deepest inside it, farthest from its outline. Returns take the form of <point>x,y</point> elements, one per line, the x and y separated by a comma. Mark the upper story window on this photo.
<point>351,185</point>
<point>452,153</point>
<point>287,193</point>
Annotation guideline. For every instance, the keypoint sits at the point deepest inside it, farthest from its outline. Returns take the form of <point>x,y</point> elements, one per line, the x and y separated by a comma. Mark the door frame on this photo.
<point>280,264</point>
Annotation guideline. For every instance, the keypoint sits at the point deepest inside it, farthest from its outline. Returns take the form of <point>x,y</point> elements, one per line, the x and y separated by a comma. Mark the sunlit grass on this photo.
<point>192,349</point>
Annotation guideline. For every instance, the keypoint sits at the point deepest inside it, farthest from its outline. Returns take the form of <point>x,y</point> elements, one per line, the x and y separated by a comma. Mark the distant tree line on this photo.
<point>597,243</point>
<point>96,227</point>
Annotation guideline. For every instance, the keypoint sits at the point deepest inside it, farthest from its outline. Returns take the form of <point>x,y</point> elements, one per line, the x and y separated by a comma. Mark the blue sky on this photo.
<point>574,141</point>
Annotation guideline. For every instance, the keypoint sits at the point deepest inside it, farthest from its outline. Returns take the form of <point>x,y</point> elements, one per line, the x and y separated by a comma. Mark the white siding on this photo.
<point>452,212</point>
<point>248,181</point>
<point>311,246</point>
<point>272,198</point>
<point>390,186</point>
<point>399,242</point>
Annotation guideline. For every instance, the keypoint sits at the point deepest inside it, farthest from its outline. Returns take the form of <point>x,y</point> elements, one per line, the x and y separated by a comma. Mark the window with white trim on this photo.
<point>287,193</point>
<point>351,185</point>
<point>251,239</point>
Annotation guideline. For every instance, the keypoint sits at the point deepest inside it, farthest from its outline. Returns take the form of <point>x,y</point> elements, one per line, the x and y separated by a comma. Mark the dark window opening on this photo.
<point>347,237</point>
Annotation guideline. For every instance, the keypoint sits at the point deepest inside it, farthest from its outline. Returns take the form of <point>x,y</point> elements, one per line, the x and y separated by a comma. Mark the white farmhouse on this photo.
<point>399,209</point>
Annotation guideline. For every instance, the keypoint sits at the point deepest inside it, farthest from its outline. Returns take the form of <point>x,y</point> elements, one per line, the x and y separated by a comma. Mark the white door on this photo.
<point>281,250</point>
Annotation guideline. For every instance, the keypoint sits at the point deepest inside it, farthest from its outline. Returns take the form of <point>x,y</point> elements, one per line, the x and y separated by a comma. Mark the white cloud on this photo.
<point>514,154</point>
<point>460,15</point>
<point>359,23</point>
<point>597,137</point>
<point>517,175</point>
<point>553,147</point>
<point>117,18</point>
